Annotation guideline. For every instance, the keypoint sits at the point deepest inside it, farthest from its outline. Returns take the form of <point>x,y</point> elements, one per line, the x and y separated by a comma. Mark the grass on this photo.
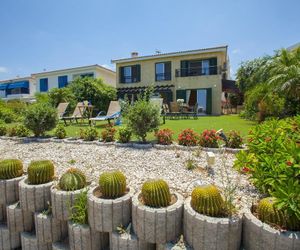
<point>226,122</point>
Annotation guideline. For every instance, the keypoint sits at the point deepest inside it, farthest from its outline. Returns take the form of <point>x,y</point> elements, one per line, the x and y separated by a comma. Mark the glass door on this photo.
<point>201,100</point>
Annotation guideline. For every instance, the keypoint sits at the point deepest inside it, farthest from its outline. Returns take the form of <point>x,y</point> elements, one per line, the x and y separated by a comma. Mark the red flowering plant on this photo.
<point>209,139</point>
<point>188,137</point>
<point>164,136</point>
<point>234,139</point>
<point>108,134</point>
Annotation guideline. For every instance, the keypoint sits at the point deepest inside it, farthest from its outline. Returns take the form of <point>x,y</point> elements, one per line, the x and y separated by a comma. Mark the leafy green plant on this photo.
<point>89,134</point>
<point>78,212</point>
<point>3,129</point>
<point>7,115</point>
<point>60,132</point>
<point>124,134</point>
<point>108,134</point>
<point>40,172</point>
<point>12,131</point>
<point>112,184</point>
<point>209,139</point>
<point>40,118</point>
<point>190,164</point>
<point>22,131</point>
<point>164,136</point>
<point>234,139</point>
<point>73,179</point>
<point>10,168</point>
<point>156,193</point>
<point>188,137</point>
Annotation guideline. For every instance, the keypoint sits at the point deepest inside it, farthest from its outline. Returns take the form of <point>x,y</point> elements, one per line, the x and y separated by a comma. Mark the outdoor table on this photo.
<point>86,111</point>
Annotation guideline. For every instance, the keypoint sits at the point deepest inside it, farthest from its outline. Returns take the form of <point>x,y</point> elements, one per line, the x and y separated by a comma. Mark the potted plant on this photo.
<point>156,213</point>
<point>81,236</point>
<point>11,173</point>
<point>70,185</point>
<point>267,227</point>
<point>35,189</point>
<point>207,221</point>
<point>109,204</point>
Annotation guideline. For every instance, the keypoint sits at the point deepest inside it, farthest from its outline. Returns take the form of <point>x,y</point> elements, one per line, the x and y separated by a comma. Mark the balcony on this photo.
<point>129,79</point>
<point>198,71</point>
<point>162,77</point>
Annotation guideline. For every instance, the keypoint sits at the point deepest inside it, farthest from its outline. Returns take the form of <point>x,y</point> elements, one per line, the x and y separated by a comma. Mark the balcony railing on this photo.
<point>198,71</point>
<point>129,79</point>
<point>163,76</point>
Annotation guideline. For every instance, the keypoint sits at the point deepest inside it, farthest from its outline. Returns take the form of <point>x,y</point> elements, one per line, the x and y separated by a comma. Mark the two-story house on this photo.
<point>195,76</point>
<point>60,78</point>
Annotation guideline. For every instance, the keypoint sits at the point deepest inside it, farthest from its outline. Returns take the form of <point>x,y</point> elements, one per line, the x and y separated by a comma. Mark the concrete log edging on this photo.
<point>2,213</point>
<point>258,235</point>
<point>105,215</point>
<point>60,246</point>
<point>8,240</point>
<point>62,201</point>
<point>30,242</point>
<point>164,147</point>
<point>83,237</point>
<point>9,190</point>
<point>19,220</point>
<point>123,145</point>
<point>157,225</point>
<point>141,145</point>
<point>34,198</point>
<point>128,242</point>
<point>205,232</point>
<point>49,229</point>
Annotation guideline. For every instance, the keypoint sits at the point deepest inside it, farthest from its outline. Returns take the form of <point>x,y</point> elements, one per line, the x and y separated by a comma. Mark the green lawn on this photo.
<point>228,122</point>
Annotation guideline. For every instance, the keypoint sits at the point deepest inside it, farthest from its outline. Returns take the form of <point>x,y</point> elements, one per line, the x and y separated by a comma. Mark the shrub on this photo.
<point>209,139</point>
<point>108,134</point>
<point>10,168</point>
<point>164,136</point>
<point>79,211</point>
<point>156,193</point>
<point>60,132</point>
<point>89,134</point>
<point>22,131</point>
<point>7,115</point>
<point>112,184</point>
<point>234,139</point>
<point>58,95</point>
<point>188,137</point>
<point>12,131</point>
<point>3,129</point>
<point>17,106</point>
<point>40,172</point>
<point>72,180</point>
<point>124,134</point>
<point>142,117</point>
<point>40,118</point>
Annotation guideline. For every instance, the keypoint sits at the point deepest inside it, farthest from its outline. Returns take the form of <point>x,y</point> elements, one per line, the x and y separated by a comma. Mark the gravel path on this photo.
<point>138,165</point>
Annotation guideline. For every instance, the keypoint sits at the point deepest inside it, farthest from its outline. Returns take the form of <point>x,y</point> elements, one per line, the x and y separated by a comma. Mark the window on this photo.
<point>205,67</point>
<point>163,71</point>
<point>130,74</point>
<point>62,81</point>
<point>44,85</point>
<point>198,67</point>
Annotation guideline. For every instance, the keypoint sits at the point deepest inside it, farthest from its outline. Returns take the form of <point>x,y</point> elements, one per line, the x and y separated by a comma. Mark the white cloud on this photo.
<point>236,51</point>
<point>3,69</point>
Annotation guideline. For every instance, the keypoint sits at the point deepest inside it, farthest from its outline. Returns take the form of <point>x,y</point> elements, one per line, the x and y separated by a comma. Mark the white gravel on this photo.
<point>138,165</point>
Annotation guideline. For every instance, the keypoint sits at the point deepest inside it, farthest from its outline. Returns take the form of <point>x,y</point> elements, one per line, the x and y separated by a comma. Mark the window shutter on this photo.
<point>208,101</point>
<point>138,72</point>
<point>213,66</point>
<point>168,70</point>
<point>184,68</point>
<point>121,74</point>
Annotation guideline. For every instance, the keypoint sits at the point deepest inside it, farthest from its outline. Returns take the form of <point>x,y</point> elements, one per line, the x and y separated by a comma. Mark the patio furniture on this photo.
<point>61,109</point>
<point>113,112</point>
<point>86,110</point>
<point>77,114</point>
<point>193,113</point>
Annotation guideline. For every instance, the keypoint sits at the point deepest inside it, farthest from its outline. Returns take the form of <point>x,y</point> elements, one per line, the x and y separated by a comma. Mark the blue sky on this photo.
<point>54,34</point>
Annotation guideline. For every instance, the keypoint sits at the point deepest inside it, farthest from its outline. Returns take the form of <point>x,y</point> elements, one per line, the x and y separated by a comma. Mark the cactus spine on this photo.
<point>10,168</point>
<point>207,200</point>
<point>268,213</point>
<point>72,180</point>
<point>112,184</point>
<point>40,172</point>
<point>156,193</point>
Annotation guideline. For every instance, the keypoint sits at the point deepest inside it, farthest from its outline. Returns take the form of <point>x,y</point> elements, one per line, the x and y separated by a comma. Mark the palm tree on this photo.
<point>285,73</point>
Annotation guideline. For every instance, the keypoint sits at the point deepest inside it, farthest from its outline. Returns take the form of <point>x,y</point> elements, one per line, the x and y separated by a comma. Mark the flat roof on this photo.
<point>16,79</point>
<point>178,53</point>
<point>74,68</point>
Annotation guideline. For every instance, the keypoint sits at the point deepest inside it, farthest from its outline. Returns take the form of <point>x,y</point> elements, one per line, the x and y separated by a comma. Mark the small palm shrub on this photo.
<point>164,136</point>
<point>188,137</point>
<point>156,193</point>
<point>10,168</point>
<point>112,184</point>
<point>209,139</point>
<point>73,179</point>
<point>40,172</point>
<point>207,200</point>
<point>3,129</point>
<point>124,134</point>
<point>60,132</point>
<point>234,139</point>
<point>89,134</point>
<point>22,131</point>
<point>108,134</point>
<point>12,131</point>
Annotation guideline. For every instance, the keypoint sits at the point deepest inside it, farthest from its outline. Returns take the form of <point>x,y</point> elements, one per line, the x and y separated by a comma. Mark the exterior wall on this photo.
<point>32,89</point>
<point>184,83</point>
<point>109,77</point>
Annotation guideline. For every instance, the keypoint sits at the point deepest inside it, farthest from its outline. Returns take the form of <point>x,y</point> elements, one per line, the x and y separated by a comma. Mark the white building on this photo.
<point>60,78</point>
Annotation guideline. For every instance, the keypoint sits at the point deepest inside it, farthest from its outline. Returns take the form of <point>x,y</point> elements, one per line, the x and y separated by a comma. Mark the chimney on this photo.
<point>134,54</point>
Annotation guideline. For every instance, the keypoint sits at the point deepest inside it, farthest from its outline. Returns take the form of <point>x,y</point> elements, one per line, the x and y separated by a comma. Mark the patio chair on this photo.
<point>113,112</point>
<point>175,113</point>
<point>61,109</point>
<point>193,113</point>
<point>77,114</point>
